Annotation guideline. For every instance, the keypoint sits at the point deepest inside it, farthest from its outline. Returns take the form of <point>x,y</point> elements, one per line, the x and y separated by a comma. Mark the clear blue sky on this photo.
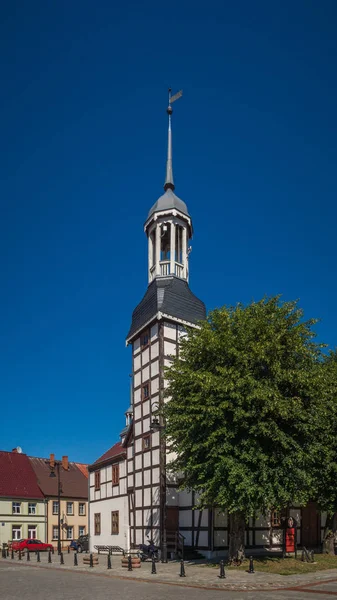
<point>83,144</point>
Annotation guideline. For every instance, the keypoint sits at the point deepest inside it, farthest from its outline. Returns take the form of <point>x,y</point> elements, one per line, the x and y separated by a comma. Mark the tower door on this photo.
<point>172,518</point>
<point>310,526</point>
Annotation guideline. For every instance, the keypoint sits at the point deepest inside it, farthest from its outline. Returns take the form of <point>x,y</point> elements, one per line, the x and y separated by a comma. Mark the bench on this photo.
<point>109,549</point>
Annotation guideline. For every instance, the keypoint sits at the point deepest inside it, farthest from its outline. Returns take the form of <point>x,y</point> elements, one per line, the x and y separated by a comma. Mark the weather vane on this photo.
<point>173,99</point>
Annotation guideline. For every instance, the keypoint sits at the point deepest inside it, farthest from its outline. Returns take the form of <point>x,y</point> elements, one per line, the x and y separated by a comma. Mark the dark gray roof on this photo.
<point>171,296</point>
<point>167,201</point>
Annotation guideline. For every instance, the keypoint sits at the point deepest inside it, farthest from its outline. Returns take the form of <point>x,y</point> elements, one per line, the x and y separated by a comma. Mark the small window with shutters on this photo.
<point>115,475</point>
<point>97,522</point>
<point>115,522</point>
<point>97,480</point>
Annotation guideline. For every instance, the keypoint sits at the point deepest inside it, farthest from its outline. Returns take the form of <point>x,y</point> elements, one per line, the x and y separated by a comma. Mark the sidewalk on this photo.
<point>197,575</point>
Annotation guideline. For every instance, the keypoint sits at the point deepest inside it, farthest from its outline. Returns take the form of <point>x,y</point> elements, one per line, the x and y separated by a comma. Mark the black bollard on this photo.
<point>182,569</point>
<point>28,556</point>
<point>12,554</point>
<point>19,554</point>
<point>222,570</point>
<point>38,556</point>
<point>7,552</point>
<point>251,565</point>
<point>49,556</point>
<point>153,570</point>
<point>129,563</point>
<point>61,559</point>
<point>75,559</point>
<point>109,560</point>
<point>4,553</point>
<point>91,564</point>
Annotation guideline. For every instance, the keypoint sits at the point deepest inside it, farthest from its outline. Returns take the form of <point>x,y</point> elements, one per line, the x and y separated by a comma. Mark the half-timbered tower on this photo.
<point>158,322</point>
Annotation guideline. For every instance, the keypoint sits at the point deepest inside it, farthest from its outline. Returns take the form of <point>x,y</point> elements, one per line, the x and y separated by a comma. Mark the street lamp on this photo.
<point>52,466</point>
<point>155,426</point>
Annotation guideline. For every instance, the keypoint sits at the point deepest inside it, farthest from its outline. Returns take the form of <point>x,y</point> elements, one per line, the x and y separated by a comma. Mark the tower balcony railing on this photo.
<point>179,270</point>
<point>165,267</point>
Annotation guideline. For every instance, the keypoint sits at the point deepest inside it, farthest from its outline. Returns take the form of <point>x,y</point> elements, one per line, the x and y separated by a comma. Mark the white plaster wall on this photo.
<point>145,356</point>
<point>203,538</point>
<point>188,537</point>
<point>170,348</point>
<point>155,494</point>
<point>138,498</point>
<point>220,538</point>
<point>147,459</point>
<point>204,517</point>
<point>137,412</point>
<point>262,521</point>
<point>155,386</point>
<point>155,457</point>
<point>92,478</point>
<point>146,407</point>
<point>105,507</point>
<point>147,477</point>
<point>147,497</point>
<point>262,538</point>
<point>138,479</point>
<point>146,374</point>
<point>277,536</point>
<point>154,368</point>
<point>139,514</point>
<point>130,480</point>
<point>220,518</point>
<point>155,438</point>
<point>138,428</point>
<point>136,362</point>
<point>138,448</point>
<point>156,475</point>
<point>130,465</point>
<point>185,518</point>
<point>103,491</point>
<point>137,379</point>
<point>172,497</point>
<point>170,331</point>
<point>137,395</point>
<point>155,350</point>
<point>185,498</point>
<point>146,425</point>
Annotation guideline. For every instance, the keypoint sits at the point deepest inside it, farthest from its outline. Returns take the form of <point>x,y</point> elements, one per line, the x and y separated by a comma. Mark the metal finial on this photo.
<point>169,182</point>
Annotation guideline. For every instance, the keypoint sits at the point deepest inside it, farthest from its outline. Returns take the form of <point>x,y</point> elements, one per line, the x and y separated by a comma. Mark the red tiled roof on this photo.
<point>17,478</point>
<point>83,468</point>
<point>115,450</point>
<point>74,481</point>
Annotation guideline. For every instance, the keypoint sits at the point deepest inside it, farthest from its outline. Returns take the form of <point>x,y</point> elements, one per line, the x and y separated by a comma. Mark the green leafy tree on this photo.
<point>326,450</point>
<point>244,394</point>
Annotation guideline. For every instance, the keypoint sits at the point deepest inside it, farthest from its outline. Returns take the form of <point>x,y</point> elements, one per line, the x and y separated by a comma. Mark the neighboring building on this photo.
<point>74,498</point>
<point>132,496</point>
<point>22,503</point>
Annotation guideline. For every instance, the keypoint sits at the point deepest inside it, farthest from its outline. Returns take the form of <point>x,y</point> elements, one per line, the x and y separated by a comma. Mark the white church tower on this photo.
<point>158,321</point>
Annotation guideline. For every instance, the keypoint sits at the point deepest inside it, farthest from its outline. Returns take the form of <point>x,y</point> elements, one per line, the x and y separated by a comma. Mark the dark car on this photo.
<point>81,544</point>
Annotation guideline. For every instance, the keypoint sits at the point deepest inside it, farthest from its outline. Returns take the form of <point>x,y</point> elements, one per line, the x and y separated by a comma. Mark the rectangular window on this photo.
<point>97,521</point>
<point>32,532</point>
<point>70,533</point>
<point>97,480</point>
<point>275,518</point>
<point>146,442</point>
<point>55,507</point>
<point>115,475</point>
<point>70,508</point>
<point>31,508</point>
<point>81,509</point>
<point>16,508</point>
<point>81,530</point>
<point>55,532</point>
<point>115,522</point>
<point>144,339</point>
<point>146,390</point>
<point>16,532</point>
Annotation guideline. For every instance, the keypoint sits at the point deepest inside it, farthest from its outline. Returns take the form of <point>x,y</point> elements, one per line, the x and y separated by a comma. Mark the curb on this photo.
<point>230,587</point>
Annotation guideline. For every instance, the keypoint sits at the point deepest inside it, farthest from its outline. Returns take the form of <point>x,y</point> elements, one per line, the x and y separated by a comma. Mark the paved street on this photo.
<point>36,583</point>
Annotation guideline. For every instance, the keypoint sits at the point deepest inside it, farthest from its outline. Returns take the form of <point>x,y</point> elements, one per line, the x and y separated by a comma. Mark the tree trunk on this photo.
<point>330,533</point>
<point>237,526</point>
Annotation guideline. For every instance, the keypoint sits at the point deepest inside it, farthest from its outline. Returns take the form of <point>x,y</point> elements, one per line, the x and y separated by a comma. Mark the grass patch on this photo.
<point>288,566</point>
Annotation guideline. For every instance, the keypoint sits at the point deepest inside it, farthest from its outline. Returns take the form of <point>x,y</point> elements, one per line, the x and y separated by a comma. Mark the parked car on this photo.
<point>31,546</point>
<point>81,544</point>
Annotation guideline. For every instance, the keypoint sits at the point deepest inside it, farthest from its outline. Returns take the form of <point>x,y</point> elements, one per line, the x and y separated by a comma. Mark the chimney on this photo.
<point>65,463</point>
<point>52,460</point>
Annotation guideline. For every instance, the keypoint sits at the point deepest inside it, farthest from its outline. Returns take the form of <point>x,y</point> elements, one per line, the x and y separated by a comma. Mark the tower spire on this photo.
<point>169,182</point>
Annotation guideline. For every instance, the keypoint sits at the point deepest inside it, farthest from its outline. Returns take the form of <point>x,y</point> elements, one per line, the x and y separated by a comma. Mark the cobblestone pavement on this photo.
<point>42,581</point>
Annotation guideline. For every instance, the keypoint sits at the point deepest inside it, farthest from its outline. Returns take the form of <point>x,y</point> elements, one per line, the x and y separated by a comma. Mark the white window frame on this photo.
<point>16,532</point>
<point>16,505</point>
<point>81,513</point>
<point>70,514</point>
<point>56,503</point>
<point>32,508</point>
<point>70,529</point>
<point>55,529</point>
<point>32,528</point>
<point>79,530</point>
